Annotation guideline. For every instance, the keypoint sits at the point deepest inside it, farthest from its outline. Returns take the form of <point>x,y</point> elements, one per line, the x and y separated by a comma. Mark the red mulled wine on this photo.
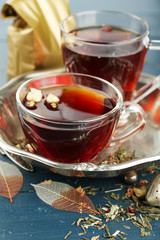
<point>121,67</point>
<point>60,132</point>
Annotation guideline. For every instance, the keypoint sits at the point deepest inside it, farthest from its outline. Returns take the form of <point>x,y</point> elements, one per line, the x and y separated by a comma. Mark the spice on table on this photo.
<point>114,196</point>
<point>91,190</point>
<point>138,212</point>
<point>79,220</point>
<point>69,233</point>
<point>140,192</point>
<point>95,238</point>
<point>84,231</point>
<point>126,227</point>
<point>114,190</point>
<point>107,230</point>
<point>123,238</point>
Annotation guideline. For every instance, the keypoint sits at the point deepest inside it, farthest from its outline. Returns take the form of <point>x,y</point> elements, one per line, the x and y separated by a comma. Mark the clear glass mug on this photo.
<point>117,57</point>
<point>76,141</point>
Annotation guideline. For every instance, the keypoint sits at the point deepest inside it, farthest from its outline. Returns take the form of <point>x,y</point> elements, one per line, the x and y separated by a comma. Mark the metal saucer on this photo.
<point>145,144</point>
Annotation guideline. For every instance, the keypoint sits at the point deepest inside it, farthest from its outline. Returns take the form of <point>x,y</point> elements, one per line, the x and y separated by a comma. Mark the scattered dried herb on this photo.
<point>121,236</point>
<point>107,230</point>
<point>126,227</point>
<point>137,212</point>
<point>91,190</point>
<point>130,209</point>
<point>152,168</point>
<point>114,196</point>
<point>114,190</point>
<point>23,144</point>
<point>144,233</point>
<point>69,233</point>
<point>95,238</point>
<point>120,156</point>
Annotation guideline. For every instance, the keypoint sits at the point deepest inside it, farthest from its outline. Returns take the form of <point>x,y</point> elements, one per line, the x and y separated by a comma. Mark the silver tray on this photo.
<point>145,144</point>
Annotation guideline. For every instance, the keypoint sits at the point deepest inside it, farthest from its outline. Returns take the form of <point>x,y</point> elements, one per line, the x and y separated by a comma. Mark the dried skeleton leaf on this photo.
<point>64,197</point>
<point>11,180</point>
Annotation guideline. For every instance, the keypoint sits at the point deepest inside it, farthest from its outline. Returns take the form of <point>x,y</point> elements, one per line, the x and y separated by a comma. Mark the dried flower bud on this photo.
<point>51,98</point>
<point>54,105</point>
<point>29,148</point>
<point>142,183</point>
<point>140,192</point>
<point>30,96</point>
<point>32,103</point>
<point>34,95</point>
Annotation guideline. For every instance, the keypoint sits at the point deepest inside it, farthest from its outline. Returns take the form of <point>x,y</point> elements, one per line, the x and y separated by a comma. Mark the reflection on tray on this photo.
<point>145,144</point>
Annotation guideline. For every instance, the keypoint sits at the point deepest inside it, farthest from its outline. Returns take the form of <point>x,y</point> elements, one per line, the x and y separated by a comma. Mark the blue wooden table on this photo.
<point>30,218</point>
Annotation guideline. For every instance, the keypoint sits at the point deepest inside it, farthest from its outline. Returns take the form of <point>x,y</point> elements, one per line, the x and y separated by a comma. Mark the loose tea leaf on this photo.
<point>139,213</point>
<point>95,238</point>
<point>64,197</point>
<point>90,190</point>
<point>11,180</point>
<point>120,156</point>
<point>69,233</point>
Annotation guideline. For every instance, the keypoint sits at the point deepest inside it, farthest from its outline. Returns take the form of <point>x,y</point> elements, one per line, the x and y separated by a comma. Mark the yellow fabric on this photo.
<point>44,17</point>
<point>20,61</point>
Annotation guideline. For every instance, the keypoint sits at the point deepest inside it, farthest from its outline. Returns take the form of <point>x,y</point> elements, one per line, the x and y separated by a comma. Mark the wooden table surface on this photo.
<point>28,217</point>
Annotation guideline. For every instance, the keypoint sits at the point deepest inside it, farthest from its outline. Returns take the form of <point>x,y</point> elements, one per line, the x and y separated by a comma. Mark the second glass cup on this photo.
<point>107,44</point>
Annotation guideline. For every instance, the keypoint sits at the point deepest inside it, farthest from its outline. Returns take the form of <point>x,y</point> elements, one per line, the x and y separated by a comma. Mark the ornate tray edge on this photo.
<point>25,159</point>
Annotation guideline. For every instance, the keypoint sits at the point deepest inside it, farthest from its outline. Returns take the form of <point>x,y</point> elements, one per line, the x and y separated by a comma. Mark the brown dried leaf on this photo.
<point>64,197</point>
<point>11,180</point>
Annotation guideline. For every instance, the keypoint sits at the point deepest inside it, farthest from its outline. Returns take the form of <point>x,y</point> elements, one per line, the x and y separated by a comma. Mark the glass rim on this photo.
<point>117,107</point>
<point>108,44</point>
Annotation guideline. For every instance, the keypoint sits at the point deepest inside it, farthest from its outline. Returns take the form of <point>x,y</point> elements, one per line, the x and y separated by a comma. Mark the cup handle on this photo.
<point>147,89</point>
<point>132,120</point>
<point>154,45</point>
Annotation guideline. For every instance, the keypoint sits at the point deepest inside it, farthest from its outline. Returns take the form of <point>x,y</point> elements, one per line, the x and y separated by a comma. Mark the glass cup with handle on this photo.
<point>84,122</point>
<point>107,44</point>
